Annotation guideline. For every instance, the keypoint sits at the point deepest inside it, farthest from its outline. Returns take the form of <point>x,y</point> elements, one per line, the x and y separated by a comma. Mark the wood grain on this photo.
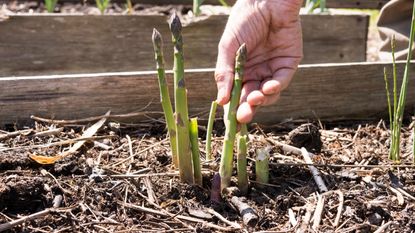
<point>362,4</point>
<point>59,44</point>
<point>332,91</point>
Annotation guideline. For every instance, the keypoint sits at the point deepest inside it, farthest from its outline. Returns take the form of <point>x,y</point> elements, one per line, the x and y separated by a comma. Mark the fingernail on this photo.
<point>221,95</point>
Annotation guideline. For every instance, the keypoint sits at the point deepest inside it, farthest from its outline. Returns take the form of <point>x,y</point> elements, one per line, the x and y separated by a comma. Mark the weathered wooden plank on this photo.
<point>362,4</point>
<point>324,91</point>
<point>41,45</point>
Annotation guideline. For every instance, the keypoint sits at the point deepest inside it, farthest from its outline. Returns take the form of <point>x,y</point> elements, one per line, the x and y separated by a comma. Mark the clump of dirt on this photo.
<point>22,194</point>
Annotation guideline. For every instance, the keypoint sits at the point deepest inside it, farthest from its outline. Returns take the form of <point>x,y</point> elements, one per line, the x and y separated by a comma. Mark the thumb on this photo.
<point>224,72</point>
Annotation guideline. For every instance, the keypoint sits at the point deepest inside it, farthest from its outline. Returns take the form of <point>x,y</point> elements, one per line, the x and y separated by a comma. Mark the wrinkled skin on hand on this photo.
<point>271,30</point>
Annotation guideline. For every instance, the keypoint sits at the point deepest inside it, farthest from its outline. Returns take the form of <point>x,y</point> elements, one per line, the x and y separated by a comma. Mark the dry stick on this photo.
<point>37,215</point>
<point>180,96</point>
<point>164,94</point>
<point>182,217</point>
<point>383,227</point>
<point>143,150</point>
<point>318,212</point>
<point>249,217</point>
<point>316,174</point>
<point>122,176</point>
<point>306,219</point>
<point>95,118</point>
<point>339,208</point>
<point>48,132</point>
<point>9,225</point>
<point>398,194</point>
<point>226,162</point>
<point>291,217</point>
<point>211,121</point>
<point>15,133</point>
<point>62,143</point>
<point>223,219</point>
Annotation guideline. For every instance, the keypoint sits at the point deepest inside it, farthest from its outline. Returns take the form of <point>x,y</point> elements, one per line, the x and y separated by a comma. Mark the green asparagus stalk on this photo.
<point>262,167</point>
<point>241,161</point>
<point>211,121</point>
<point>225,169</point>
<point>50,5</point>
<point>180,95</point>
<point>196,7</point>
<point>194,140</point>
<point>164,94</point>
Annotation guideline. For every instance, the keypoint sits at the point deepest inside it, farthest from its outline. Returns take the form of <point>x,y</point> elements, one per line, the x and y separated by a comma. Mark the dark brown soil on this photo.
<point>353,162</point>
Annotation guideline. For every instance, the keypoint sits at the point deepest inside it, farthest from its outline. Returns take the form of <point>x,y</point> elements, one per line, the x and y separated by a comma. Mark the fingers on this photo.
<point>224,72</point>
<point>246,110</point>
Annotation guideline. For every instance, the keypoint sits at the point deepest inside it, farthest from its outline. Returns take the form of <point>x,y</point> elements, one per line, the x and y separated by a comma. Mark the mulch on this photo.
<point>122,180</point>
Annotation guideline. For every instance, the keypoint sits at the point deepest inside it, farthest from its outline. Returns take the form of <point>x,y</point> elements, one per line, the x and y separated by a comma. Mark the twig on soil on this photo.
<point>48,132</point>
<point>398,194</point>
<point>306,219</point>
<point>61,143</point>
<point>250,218</point>
<point>182,217</point>
<point>292,218</point>
<point>122,176</point>
<point>316,174</point>
<point>318,212</point>
<point>95,118</point>
<point>223,219</point>
<point>340,206</point>
<point>14,223</point>
<point>139,152</point>
<point>15,133</point>
<point>383,227</point>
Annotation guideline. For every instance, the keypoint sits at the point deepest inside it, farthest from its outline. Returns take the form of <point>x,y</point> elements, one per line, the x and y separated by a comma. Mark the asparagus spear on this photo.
<point>209,130</point>
<point>225,169</point>
<point>180,95</point>
<point>194,136</point>
<point>241,162</point>
<point>262,167</point>
<point>164,94</point>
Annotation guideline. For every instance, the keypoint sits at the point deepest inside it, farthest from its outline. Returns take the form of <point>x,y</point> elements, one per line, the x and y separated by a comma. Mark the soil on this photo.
<point>90,195</point>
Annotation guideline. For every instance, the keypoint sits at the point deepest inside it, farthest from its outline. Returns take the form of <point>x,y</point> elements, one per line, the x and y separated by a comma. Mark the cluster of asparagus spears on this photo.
<point>183,133</point>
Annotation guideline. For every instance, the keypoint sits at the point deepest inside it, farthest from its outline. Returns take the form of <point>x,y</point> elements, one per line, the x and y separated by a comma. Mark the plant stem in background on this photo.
<point>241,161</point>
<point>50,5</point>
<point>194,140</point>
<point>398,115</point>
<point>196,7</point>
<point>385,77</point>
<point>225,169</point>
<point>322,6</point>
<point>223,3</point>
<point>211,121</point>
<point>180,96</point>
<point>130,7</point>
<point>102,5</point>
<point>262,166</point>
<point>164,94</point>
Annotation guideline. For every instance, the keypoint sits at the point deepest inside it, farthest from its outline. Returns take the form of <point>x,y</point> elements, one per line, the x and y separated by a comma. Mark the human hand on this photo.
<point>271,30</point>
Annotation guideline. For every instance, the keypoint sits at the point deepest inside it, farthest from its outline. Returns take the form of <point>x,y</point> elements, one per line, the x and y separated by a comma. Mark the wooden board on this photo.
<point>58,44</point>
<point>362,4</point>
<point>332,91</point>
